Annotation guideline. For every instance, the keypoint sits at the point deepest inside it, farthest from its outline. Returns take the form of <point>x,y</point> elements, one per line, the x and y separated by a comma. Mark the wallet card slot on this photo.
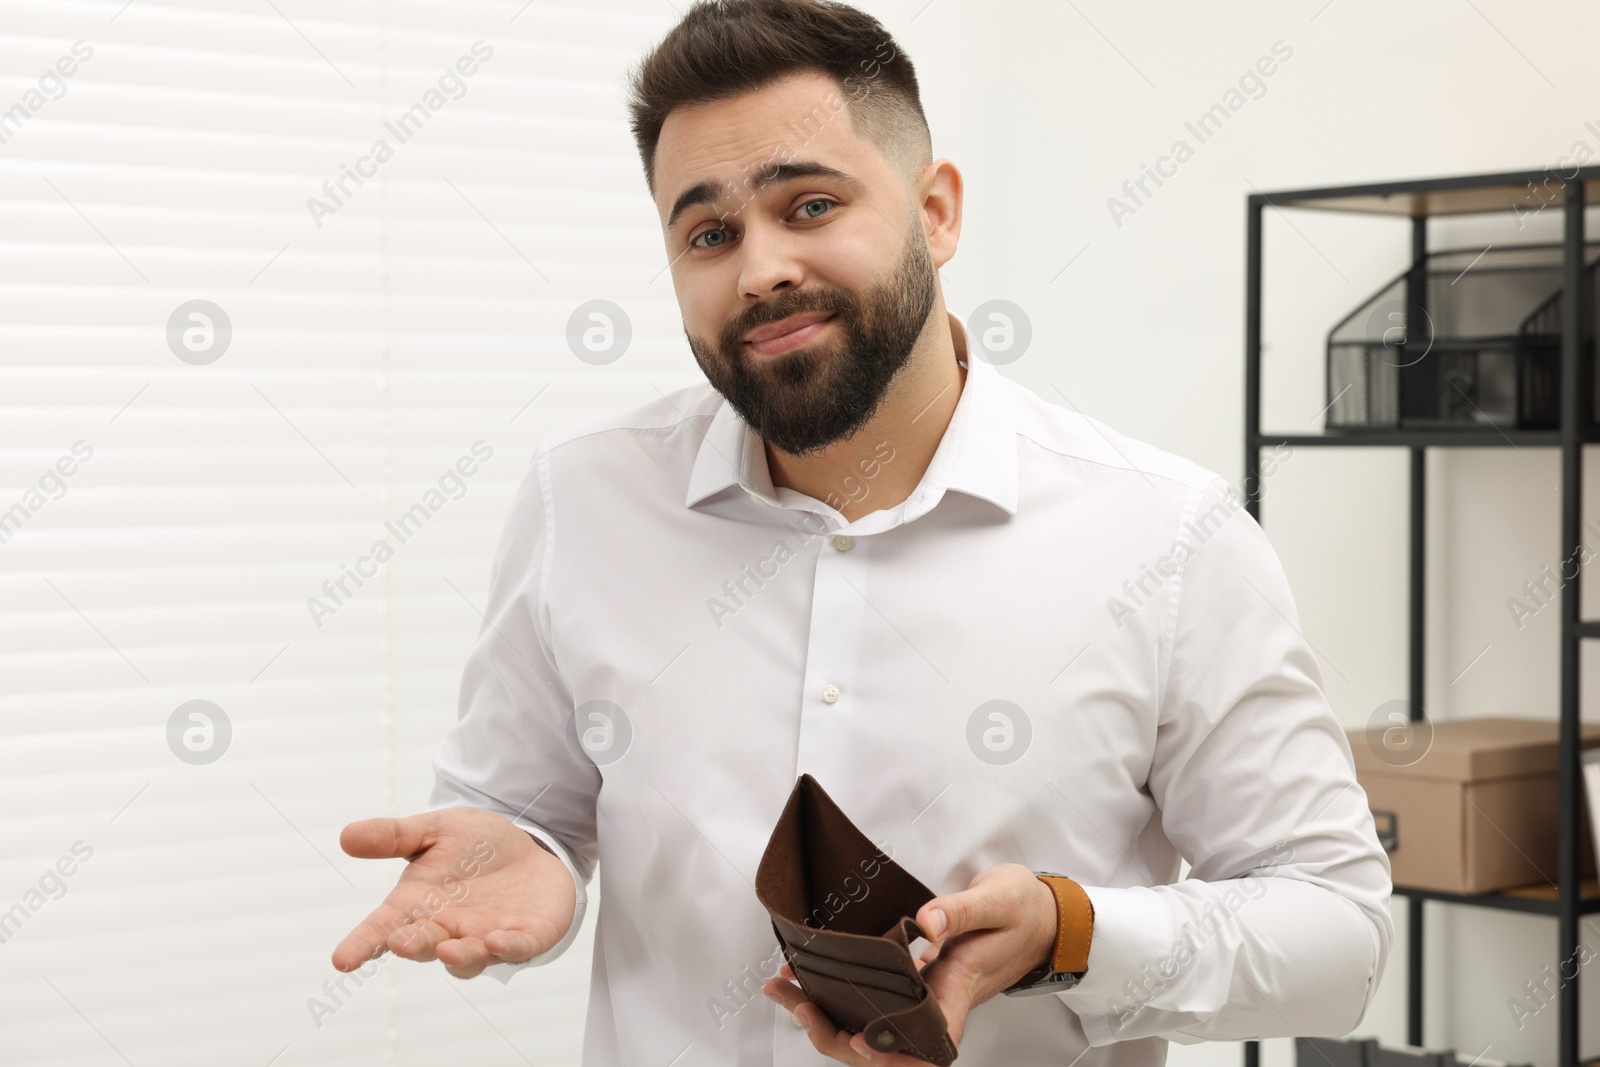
<point>829,948</point>
<point>850,1005</point>
<point>888,981</point>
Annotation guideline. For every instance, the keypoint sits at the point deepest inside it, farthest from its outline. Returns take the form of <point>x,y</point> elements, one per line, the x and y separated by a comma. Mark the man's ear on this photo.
<point>939,193</point>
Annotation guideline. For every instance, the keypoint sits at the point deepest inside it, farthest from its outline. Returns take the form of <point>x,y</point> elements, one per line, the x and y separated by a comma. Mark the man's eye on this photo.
<point>812,215</point>
<point>721,232</point>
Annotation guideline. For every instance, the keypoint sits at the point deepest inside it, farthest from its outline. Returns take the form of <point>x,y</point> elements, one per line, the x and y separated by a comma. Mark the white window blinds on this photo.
<point>284,302</point>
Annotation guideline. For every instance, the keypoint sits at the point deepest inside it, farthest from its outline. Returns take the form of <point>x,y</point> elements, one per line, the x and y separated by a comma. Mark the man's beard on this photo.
<point>810,397</point>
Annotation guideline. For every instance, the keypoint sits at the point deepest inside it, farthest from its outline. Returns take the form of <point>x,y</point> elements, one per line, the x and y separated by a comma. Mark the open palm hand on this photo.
<point>477,891</point>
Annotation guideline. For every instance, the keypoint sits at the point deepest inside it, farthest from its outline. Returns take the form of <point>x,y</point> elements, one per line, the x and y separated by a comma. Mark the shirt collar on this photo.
<point>977,454</point>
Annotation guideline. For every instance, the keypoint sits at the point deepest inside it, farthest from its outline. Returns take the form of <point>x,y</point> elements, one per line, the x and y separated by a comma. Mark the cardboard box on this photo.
<point>1476,811</point>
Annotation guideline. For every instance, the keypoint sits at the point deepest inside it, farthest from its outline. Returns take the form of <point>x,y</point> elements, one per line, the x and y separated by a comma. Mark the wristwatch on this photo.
<point>1069,959</point>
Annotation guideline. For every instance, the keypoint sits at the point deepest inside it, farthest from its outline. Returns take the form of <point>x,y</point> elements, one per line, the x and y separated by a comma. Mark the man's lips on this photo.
<point>786,325</point>
<point>787,333</point>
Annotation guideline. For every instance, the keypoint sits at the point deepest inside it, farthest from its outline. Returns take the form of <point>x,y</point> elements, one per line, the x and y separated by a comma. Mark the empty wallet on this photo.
<point>844,914</point>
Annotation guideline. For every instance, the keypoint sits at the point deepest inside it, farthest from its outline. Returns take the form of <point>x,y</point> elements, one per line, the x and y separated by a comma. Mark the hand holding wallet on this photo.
<point>844,913</point>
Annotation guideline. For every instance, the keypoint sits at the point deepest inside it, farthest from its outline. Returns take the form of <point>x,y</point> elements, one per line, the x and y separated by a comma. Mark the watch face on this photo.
<point>1050,983</point>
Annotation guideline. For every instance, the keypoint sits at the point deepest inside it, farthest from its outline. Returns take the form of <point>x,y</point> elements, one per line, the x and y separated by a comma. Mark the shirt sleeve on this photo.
<point>1282,927</point>
<point>513,748</point>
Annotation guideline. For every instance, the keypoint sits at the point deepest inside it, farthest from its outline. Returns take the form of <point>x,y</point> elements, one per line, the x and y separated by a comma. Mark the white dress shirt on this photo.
<point>1067,649</point>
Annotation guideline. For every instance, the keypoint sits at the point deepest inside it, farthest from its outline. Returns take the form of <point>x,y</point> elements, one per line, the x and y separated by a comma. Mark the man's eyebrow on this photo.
<point>709,192</point>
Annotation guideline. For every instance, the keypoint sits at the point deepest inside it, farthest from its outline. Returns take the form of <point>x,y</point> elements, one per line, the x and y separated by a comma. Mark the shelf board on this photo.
<point>1464,438</point>
<point>1520,191</point>
<point>1539,898</point>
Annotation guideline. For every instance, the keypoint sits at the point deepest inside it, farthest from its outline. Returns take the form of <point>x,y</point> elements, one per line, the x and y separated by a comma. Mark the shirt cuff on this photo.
<point>1132,936</point>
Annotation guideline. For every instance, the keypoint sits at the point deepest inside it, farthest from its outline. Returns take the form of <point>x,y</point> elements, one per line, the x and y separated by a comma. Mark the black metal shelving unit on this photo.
<point>1419,200</point>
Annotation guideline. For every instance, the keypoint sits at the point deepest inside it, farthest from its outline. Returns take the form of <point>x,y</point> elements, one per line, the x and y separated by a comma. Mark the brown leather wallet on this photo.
<point>844,914</point>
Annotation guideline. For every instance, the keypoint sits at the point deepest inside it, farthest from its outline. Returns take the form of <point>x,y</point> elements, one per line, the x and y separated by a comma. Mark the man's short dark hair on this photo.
<point>725,48</point>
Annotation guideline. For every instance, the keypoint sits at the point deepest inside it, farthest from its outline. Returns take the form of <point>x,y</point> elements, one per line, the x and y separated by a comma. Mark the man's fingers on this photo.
<point>994,900</point>
<point>825,1037</point>
<point>844,1046</point>
<point>512,946</point>
<point>418,940</point>
<point>385,838</point>
<point>369,939</point>
<point>353,951</point>
<point>944,917</point>
<point>419,937</point>
<point>426,941</point>
<point>464,957</point>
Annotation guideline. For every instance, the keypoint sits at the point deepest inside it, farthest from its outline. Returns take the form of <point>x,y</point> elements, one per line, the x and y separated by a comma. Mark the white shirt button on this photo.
<point>830,693</point>
<point>843,542</point>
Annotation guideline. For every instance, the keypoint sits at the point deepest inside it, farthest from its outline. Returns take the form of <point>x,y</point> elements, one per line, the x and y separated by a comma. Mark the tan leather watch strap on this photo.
<point>1074,924</point>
